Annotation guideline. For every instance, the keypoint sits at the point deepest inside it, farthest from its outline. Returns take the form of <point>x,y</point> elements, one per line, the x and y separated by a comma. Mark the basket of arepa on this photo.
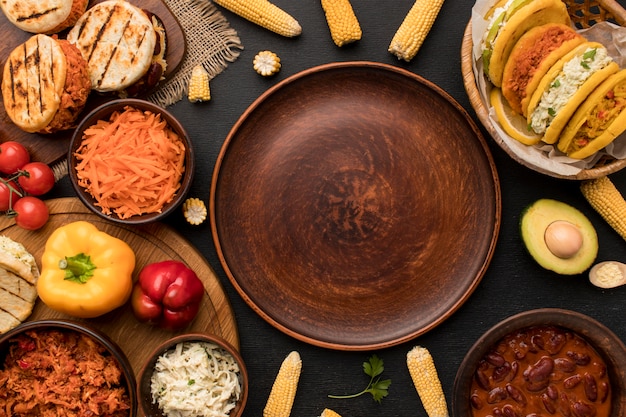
<point>547,79</point>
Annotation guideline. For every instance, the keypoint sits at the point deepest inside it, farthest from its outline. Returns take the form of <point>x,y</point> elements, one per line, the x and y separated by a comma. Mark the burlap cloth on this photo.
<point>211,42</point>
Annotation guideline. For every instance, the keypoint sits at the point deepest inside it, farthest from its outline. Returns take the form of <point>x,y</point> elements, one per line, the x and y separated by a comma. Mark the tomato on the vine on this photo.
<point>8,196</point>
<point>31,213</point>
<point>13,156</point>
<point>36,178</point>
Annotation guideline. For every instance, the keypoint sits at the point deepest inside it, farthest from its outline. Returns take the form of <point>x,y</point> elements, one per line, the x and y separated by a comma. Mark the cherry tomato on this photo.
<point>32,213</point>
<point>13,156</point>
<point>37,178</point>
<point>8,197</point>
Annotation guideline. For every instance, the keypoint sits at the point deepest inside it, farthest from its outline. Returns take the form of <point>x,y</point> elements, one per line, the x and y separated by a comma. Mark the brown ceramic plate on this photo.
<point>355,206</point>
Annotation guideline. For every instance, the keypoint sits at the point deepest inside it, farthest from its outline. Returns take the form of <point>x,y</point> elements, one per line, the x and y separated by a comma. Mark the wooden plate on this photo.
<point>151,243</point>
<point>355,206</point>
<point>53,148</point>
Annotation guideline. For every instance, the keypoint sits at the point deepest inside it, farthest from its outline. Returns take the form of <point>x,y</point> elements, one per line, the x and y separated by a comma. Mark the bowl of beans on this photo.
<point>544,362</point>
<point>62,367</point>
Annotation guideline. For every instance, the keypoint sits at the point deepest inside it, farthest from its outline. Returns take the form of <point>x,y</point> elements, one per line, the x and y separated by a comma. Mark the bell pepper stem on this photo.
<point>78,268</point>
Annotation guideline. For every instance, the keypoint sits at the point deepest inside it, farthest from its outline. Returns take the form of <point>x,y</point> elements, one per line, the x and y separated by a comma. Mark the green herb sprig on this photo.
<point>379,389</point>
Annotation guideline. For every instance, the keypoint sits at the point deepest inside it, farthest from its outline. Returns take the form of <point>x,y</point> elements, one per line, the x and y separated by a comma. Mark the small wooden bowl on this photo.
<point>128,375</point>
<point>583,15</point>
<point>144,392</point>
<point>610,348</point>
<point>103,112</point>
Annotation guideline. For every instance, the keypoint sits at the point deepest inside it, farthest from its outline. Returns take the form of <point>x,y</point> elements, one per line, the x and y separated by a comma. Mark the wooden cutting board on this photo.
<point>151,243</point>
<point>53,148</point>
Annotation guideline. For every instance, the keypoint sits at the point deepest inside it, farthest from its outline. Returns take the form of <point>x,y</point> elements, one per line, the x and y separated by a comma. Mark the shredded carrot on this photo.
<point>131,164</point>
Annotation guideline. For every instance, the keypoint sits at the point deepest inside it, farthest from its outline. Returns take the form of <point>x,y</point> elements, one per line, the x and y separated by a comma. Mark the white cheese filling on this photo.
<point>574,73</point>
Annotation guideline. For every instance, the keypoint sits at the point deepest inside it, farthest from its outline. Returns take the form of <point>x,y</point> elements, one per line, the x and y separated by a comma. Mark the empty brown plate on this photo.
<point>355,206</point>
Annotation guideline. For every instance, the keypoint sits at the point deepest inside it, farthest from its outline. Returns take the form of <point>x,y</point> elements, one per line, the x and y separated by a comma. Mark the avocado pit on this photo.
<point>563,239</point>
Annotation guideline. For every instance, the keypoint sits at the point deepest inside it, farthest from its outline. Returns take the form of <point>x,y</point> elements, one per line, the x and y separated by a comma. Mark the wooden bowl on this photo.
<point>583,15</point>
<point>144,391</point>
<point>609,347</point>
<point>355,205</point>
<point>128,375</point>
<point>103,112</point>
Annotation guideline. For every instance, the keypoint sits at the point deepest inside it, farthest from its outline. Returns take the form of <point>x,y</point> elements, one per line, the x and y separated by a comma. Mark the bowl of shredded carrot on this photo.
<point>131,161</point>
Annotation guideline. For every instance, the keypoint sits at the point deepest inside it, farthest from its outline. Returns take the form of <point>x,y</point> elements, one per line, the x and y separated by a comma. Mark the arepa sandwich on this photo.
<point>531,58</point>
<point>565,86</point>
<point>598,121</point>
<point>18,278</point>
<point>507,21</point>
<point>124,47</point>
<point>45,85</point>
<point>43,16</point>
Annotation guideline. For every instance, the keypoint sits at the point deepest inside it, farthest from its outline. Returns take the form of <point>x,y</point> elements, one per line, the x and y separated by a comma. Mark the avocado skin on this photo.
<point>534,220</point>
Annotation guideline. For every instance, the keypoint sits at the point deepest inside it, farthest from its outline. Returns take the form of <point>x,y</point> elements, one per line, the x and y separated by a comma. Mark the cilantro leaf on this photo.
<point>378,388</point>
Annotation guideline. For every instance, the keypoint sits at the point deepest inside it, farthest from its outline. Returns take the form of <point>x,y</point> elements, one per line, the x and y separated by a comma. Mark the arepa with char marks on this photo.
<point>18,278</point>
<point>117,39</point>
<point>33,81</point>
<point>43,16</point>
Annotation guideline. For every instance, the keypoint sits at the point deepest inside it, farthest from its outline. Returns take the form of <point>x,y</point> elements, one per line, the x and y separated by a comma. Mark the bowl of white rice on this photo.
<point>193,375</point>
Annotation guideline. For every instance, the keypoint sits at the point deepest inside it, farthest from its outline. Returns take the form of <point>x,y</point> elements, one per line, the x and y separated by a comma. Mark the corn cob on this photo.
<point>266,63</point>
<point>199,85</point>
<point>424,375</point>
<point>264,14</point>
<point>283,391</point>
<point>329,413</point>
<point>414,28</point>
<point>342,22</point>
<point>194,211</point>
<point>606,199</point>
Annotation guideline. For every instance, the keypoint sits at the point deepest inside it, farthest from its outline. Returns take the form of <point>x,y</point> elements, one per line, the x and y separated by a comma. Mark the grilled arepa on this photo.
<point>18,279</point>
<point>43,16</point>
<point>45,85</point>
<point>123,45</point>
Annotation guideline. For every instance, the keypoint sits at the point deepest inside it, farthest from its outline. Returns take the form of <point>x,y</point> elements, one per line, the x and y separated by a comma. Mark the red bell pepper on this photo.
<point>167,294</point>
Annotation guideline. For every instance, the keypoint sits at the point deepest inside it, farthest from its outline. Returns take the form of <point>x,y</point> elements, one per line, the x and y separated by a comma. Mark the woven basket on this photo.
<point>584,13</point>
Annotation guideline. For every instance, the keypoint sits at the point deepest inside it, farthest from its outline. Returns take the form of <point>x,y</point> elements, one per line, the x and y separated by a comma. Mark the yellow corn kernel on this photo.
<point>413,30</point>
<point>329,413</point>
<point>199,85</point>
<point>266,63</point>
<point>283,391</point>
<point>606,199</point>
<point>342,22</point>
<point>424,375</point>
<point>194,210</point>
<point>264,14</point>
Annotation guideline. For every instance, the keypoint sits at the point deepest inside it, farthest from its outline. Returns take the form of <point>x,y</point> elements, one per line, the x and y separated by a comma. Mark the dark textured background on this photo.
<point>513,282</point>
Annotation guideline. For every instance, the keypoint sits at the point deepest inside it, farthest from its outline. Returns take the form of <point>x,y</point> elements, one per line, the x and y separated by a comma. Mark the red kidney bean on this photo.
<point>495,359</point>
<point>582,409</point>
<point>496,395</point>
<point>516,394</point>
<point>591,387</point>
<point>572,381</point>
<point>483,380</point>
<point>476,402</point>
<point>509,411</point>
<point>603,391</point>
<point>555,343</point>
<point>501,372</point>
<point>581,359</point>
<point>564,407</point>
<point>540,371</point>
<point>564,365</point>
<point>548,404</point>
<point>552,392</point>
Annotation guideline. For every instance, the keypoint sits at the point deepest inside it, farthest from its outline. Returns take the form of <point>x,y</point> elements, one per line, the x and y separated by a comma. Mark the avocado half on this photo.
<point>542,216</point>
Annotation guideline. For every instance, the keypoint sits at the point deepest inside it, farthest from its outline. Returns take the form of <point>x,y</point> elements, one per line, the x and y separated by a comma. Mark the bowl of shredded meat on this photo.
<point>64,368</point>
<point>193,375</point>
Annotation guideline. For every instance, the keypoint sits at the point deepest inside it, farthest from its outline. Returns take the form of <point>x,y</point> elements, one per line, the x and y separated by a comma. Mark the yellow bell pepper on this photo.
<point>85,272</point>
